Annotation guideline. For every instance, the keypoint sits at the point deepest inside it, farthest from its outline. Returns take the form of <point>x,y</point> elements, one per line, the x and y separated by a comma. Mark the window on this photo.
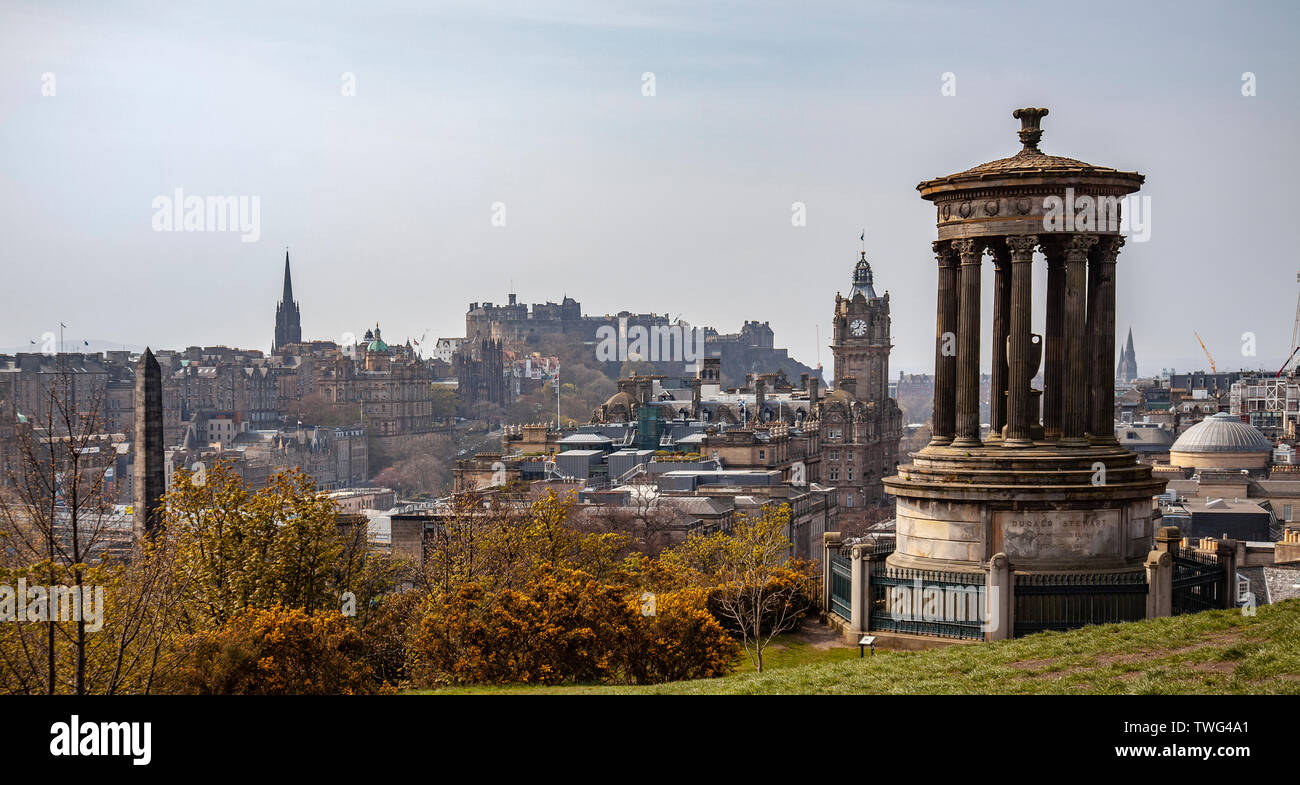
<point>762,454</point>
<point>835,474</point>
<point>835,455</point>
<point>850,475</point>
<point>835,433</point>
<point>848,500</point>
<point>1286,512</point>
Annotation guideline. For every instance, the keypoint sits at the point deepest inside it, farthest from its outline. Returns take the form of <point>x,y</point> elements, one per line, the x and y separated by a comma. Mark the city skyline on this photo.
<point>620,199</point>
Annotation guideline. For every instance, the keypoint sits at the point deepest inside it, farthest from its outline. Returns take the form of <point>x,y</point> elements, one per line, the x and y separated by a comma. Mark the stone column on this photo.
<point>1160,584</point>
<point>1001,326</point>
<point>150,476</point>
<point>945,347</point>
<point>968,345</point>
<point>1101,420</point>
<point>857,604</point>
<point>1074,418</point>
<point>999,599</point>
<point>1019,377</point>
<point>830,545</point>
<point>1054,342</point>
<point>1229,557</point>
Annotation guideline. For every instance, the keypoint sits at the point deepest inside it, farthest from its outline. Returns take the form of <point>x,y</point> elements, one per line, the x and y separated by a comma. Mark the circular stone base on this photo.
<point>1048,508</point>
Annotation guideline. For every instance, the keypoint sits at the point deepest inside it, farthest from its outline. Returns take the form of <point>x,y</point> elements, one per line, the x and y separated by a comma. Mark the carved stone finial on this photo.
<point>1030,133</point>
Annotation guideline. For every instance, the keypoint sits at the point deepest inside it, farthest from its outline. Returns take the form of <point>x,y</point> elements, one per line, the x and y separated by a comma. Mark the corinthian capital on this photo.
<point>1076,246</point>
<point>944,253</point>
<point>1022,246</point>
<point>1108,247</point>
<point>970,250</point>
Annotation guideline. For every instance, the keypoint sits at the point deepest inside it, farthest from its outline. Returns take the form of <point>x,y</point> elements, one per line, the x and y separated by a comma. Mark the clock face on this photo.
<point>858,328</point>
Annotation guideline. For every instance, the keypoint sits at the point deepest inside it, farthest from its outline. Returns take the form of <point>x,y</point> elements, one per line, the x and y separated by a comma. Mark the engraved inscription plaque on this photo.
<point>1059,534</point>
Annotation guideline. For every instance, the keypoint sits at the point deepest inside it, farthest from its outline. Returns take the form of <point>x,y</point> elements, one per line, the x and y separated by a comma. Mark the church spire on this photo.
<point>288,320</point>
<point>287,297</point>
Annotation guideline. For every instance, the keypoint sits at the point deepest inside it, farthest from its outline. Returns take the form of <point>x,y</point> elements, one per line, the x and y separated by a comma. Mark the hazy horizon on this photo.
<point>676,203</point>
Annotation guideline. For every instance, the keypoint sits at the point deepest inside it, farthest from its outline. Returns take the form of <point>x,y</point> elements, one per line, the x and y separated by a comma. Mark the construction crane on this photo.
<point>1213,370</point>
<point>1295,335</point>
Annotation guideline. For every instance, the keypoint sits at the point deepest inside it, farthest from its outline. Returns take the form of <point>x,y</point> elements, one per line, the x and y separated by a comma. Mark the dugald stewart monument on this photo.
<point>1048,486</point>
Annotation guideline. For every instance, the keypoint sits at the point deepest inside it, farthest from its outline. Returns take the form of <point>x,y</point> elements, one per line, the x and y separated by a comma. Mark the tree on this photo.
<point>317,409</point>
<point>755,588</point>
<point>648,519</point>
<point>279,546</point>
<point>56,516</point>
<point>444,402</point>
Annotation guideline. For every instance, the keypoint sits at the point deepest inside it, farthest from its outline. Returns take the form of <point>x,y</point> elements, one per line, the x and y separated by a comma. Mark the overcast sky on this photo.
<point>678,202</point>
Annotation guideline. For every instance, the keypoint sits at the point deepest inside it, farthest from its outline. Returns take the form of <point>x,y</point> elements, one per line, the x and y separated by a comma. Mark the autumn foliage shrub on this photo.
<point>682,640</point>
<point>565,626</point>
<point>275,651</point>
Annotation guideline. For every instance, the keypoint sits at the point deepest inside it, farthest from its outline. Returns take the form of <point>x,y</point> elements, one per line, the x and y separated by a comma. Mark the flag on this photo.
<point>863,238</point>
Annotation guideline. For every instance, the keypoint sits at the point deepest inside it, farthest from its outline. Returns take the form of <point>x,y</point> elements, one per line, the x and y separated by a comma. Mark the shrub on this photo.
<point>275,651</point>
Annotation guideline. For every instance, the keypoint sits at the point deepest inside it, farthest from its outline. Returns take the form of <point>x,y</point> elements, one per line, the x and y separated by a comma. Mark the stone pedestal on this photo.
<point>1048,509</point>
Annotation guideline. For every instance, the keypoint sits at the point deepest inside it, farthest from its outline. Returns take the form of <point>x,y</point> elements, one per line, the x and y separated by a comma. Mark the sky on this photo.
<point>381,140</point>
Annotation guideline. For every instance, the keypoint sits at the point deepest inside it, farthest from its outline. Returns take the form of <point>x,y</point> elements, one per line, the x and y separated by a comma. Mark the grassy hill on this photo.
<point>1216,652</point>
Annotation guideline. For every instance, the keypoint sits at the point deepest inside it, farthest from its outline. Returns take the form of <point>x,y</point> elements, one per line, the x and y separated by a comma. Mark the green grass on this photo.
<point>786,651</point>
<point>1217,652</point>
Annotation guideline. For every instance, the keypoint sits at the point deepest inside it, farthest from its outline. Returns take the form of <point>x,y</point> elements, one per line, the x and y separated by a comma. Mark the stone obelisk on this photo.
<point>150,479</point>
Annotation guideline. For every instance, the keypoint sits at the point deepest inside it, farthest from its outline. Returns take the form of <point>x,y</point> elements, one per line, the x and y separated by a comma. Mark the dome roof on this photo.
<point>1221,432</point>
<point>376,344</point>
<point>1034,161</point>
<point>620,399</point>
<point>1029,162</point>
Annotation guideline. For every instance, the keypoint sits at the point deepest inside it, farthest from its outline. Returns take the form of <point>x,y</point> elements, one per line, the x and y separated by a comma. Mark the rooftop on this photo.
<point>1222,432</point>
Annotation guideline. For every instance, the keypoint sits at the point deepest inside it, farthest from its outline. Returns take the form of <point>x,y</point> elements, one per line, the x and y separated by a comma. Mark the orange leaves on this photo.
<point>567,627</point>
<point>275,651</point>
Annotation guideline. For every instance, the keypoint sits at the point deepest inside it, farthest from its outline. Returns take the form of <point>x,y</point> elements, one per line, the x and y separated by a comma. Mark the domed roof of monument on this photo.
<point>620,398</point>
<point>1030,160</point>
<point>377,344</point>
<point>1221,432</point>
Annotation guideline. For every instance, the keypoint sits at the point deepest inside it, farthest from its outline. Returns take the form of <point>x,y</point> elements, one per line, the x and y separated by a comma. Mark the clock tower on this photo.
<point>859,424</point>
<point>860,330</point>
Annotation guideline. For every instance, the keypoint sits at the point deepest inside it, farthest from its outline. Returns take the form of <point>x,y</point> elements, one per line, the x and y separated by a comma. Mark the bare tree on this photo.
<point>59,524</point>
<point>57,515</point>
<point>760,591</point>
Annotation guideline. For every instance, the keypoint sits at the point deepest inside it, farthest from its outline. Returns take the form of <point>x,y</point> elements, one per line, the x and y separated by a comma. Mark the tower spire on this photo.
<point>288,281</point>
<point>288,320</point>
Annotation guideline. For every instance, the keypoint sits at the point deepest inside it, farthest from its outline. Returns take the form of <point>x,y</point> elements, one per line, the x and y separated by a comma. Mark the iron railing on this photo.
<point>1067,601</point>
<point>841,587</point>
<point>927,602</point>
<point>1197,583</point>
